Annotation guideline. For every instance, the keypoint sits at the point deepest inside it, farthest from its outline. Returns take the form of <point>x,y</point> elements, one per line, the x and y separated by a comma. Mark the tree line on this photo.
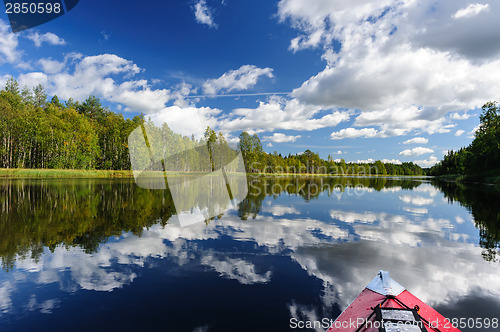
<point>482,156</point>
<point>37,133</point>
<point>258,161</point>
<point>40,133</point>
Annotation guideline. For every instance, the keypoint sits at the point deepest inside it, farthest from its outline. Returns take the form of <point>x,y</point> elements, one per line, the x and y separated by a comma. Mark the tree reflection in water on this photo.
<point>86,213</point>
<point>482,202</point>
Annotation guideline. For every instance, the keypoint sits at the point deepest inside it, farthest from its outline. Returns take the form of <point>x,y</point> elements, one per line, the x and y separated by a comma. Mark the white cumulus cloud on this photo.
<point>433,160</point>
<point>471,10</point>
<point>417,140</point>
<point>106,76</point>
<point>282,138</point>
<point>8,44</point>
<point>242,78</point>
<point>279,113</point>
<point>203,15</point>
<point>49,38</point>
<point>175,117</point>
<point>415,151</point>
<point>356,133</point>
<point>391,161</point>
<point>50,66</point>
<point>403,64</point>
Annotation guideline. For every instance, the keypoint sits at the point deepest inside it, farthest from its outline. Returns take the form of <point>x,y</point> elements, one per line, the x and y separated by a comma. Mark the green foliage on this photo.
<point>482,202</point>
<point>308,162</point>
<point>38,213</point>
<point>74,213</point>
<point>38,134</point>
<point>11,86</point>
<point>252,152</point>
<point>482,155</point>
<point>210,135</point>
<point>39,96</point>
<point>380,167</point>
<point>35,133</point>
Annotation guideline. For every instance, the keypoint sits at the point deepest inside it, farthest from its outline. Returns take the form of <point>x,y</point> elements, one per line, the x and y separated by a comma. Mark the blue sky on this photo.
<point>400,80</point>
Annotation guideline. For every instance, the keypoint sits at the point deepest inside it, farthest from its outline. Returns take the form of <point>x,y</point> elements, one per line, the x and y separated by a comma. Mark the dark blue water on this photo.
<point>105,255</point>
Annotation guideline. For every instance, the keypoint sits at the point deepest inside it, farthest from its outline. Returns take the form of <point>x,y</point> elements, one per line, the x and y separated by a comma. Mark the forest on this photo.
<point>482,156</point>
<point>37,133</point>
<point>308,162</point>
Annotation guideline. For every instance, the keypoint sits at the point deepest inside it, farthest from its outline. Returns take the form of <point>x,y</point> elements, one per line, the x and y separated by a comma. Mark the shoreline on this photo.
<point>19,173</point>
<point>487,179</point>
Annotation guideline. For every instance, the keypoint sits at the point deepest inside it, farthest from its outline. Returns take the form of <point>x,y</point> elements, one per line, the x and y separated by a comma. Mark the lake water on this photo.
<point>93,254</point>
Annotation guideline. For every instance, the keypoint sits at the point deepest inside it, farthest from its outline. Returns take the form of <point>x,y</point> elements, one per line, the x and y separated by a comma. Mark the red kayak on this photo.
<point>385,305</point>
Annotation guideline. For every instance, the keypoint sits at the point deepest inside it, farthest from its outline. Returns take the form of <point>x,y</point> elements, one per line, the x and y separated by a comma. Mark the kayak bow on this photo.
<point>386,306</point>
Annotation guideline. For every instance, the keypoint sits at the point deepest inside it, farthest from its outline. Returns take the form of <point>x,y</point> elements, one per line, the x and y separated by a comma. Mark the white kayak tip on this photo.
<point>385,285</point>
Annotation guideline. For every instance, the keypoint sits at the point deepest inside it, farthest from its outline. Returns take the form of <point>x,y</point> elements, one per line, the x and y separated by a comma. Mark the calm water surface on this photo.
<point>104,254</point>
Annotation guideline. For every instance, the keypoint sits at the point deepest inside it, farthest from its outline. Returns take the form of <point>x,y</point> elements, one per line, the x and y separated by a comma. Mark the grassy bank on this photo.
<point>61,173</point>
<point>18,173</point>
<point>490,177</point>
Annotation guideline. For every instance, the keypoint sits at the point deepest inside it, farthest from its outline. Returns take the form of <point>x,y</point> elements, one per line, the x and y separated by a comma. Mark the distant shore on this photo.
<point>17,173</point>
